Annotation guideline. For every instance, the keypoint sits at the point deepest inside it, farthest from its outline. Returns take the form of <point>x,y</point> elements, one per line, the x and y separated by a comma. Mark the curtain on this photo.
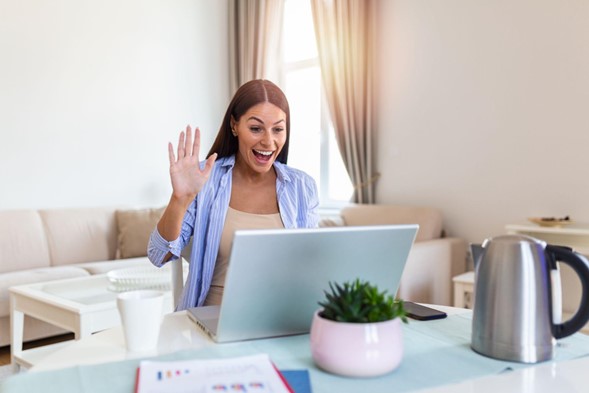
<point>345,38</point>
<point>254,40</point>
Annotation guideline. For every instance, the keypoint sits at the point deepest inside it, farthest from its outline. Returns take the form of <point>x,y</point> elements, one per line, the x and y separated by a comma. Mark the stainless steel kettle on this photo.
<point>512,316</point>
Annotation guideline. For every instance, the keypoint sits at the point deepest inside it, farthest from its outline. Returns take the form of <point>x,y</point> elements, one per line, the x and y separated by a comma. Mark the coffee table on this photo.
<point>82,305</point>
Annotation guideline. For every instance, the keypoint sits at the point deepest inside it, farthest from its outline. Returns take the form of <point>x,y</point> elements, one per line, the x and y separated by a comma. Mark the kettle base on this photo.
<point>520,354</point>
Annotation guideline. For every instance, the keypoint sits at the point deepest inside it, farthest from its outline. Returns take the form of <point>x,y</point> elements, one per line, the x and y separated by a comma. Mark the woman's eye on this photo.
<point>278,129</point>
<point>255,129</point>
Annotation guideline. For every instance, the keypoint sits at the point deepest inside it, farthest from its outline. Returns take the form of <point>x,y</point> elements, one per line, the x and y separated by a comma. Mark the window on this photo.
<point>312,144</point>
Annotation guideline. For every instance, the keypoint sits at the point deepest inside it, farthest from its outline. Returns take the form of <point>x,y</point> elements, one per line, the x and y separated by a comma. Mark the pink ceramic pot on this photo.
<point>356,349</point>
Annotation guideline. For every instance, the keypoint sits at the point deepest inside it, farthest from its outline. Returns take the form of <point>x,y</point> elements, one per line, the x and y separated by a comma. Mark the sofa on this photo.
<point>434,258</point>
<point>53,244</point>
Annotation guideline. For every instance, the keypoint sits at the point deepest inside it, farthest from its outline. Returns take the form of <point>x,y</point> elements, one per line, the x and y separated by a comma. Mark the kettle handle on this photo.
<point>580,265</point>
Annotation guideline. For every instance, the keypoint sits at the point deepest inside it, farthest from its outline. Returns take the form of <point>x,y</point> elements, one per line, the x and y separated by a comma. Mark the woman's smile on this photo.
<point>263,155</point>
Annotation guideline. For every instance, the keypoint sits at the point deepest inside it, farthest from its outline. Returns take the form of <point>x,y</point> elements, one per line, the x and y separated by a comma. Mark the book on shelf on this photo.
<point>254,373</point>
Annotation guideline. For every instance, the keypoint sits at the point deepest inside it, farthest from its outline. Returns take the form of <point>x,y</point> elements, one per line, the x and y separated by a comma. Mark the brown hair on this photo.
<point>248,95</point>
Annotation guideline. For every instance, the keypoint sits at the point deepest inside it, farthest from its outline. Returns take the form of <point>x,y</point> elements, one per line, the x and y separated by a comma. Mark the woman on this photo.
<point>243,184</point>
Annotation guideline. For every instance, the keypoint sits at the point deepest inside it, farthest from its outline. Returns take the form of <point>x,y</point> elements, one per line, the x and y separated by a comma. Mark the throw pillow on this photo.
<point>133,230</point>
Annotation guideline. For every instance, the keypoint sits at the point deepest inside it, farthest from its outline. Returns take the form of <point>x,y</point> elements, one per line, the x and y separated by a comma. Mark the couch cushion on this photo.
<point>133,230</point>
<point>31,276</point>
<point>428,219</point>
<point>80,235</point>
<point>104,267</point>
<point>23,244</point>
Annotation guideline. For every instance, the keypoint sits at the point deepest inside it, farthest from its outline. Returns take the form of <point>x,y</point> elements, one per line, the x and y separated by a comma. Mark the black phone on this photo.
<point>422,313</point>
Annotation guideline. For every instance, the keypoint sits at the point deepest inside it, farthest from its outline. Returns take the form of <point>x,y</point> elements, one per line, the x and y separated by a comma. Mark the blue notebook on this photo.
<point>298,380</point>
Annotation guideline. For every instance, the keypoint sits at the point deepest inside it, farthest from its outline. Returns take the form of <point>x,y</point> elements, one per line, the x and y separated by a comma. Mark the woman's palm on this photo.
<point>187,177</point>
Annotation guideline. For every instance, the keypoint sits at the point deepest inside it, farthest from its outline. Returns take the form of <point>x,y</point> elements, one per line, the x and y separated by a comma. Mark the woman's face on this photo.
<point>261,134</point>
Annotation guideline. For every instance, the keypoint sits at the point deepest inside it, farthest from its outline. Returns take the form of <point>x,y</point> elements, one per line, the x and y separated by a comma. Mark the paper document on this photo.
<point>252,374</point>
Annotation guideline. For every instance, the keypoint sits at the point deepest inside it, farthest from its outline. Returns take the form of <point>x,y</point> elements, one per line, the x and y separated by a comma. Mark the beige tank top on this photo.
<point>235,220</point>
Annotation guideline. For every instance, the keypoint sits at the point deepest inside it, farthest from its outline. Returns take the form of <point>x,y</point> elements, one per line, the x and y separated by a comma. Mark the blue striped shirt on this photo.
<point>204,220</point>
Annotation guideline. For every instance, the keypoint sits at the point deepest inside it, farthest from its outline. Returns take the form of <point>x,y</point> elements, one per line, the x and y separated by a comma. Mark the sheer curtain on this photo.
<point>345,37</point>
<point>254,40</point>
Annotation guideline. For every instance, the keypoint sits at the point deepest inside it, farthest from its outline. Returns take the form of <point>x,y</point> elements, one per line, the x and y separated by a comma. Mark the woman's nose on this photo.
<point>267,139</point>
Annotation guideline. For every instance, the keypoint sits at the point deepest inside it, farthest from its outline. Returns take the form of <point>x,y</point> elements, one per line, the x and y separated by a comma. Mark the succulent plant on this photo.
<point>360,302</point>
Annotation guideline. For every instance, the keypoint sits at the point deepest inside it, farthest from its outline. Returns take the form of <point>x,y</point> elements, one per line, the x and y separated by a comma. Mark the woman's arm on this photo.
<point>187,180</point>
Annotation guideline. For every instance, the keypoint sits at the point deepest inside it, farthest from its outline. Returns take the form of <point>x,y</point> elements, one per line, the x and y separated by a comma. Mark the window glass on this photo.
<point>298,31</point>
<point>313,148</point>
<point>302,88</point>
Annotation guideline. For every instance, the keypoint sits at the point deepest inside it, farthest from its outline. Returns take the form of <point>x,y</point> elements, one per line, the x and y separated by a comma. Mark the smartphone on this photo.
<point>422,313</point>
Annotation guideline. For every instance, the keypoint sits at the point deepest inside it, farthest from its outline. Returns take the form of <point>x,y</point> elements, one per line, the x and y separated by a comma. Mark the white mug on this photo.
<point>141,315</point>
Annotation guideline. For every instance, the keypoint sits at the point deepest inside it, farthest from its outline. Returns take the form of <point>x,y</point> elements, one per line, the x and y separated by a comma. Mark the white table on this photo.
<point>569,376</point>
<point>576,236</point>
<point>83,305</point>
<point>179,333</point>
<point>464,290</point>
<point>572,235</point>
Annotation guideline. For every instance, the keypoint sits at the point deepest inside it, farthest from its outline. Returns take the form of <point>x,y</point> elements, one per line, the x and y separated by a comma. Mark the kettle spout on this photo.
<point>476,251</point>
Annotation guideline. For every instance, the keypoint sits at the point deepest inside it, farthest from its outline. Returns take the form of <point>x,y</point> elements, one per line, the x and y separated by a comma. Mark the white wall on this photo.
<point>91,92</point>
<point>483,104</point>
<point>484,110</point>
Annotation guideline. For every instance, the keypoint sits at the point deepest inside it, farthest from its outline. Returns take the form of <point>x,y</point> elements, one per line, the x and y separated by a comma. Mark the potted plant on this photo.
<point>358,332</point>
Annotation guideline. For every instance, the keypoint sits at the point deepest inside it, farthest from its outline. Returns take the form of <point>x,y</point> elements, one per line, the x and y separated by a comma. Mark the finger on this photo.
<point>181,145</point>
<point>171,153</point>
<point>196,144</point>
<point>209,164</point>
<point>188,145</point>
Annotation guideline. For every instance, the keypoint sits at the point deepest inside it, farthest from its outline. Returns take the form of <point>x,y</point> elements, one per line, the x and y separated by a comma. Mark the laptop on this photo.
<point>276,277</point>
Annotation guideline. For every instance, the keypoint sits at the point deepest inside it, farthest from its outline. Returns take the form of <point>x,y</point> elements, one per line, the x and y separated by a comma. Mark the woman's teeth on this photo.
<point>263,153</point>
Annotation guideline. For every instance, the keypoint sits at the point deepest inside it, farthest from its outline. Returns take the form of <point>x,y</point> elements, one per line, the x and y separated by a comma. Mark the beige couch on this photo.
<point>434,259</point>
<point>43,245</point>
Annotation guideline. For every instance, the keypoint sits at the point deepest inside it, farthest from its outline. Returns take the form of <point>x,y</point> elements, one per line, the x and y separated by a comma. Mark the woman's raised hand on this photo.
<point>187,177</point>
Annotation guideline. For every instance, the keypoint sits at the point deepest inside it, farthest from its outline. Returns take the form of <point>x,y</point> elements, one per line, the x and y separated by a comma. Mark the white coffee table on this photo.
<point>83,305</point>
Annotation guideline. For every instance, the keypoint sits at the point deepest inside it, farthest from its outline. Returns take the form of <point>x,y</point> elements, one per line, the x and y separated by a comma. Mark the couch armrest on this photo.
<point>431,264</point>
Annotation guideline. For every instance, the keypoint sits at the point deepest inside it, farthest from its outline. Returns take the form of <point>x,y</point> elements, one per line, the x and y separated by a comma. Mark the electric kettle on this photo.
<point>513,306</point>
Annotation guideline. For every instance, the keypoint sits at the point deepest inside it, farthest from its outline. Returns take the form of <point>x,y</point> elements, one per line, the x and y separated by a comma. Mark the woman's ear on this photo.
<point>232,123</point>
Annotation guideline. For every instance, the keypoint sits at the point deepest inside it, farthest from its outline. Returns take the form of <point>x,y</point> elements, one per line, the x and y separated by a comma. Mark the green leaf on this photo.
<point>359,301</point>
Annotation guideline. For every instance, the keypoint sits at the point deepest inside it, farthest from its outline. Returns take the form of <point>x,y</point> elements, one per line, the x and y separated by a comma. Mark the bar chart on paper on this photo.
<point>241,374</point>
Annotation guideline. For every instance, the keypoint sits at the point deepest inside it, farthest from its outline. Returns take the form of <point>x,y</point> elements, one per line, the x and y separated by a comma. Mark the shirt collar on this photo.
<point>281,172</point>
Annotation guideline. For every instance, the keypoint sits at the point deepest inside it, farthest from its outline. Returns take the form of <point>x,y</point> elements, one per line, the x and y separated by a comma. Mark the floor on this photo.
<point>5,351</point>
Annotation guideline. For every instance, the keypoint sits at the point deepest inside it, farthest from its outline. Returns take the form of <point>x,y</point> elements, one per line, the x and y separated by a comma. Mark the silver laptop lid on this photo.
<point>276,277</point>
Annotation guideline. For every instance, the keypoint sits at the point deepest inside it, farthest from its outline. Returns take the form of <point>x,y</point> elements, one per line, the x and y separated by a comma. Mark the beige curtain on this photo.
<point>345,38</point>
<point>254,40</point>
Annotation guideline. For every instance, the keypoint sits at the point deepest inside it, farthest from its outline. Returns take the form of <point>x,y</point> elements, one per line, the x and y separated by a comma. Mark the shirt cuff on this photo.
<point>161,247</point>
